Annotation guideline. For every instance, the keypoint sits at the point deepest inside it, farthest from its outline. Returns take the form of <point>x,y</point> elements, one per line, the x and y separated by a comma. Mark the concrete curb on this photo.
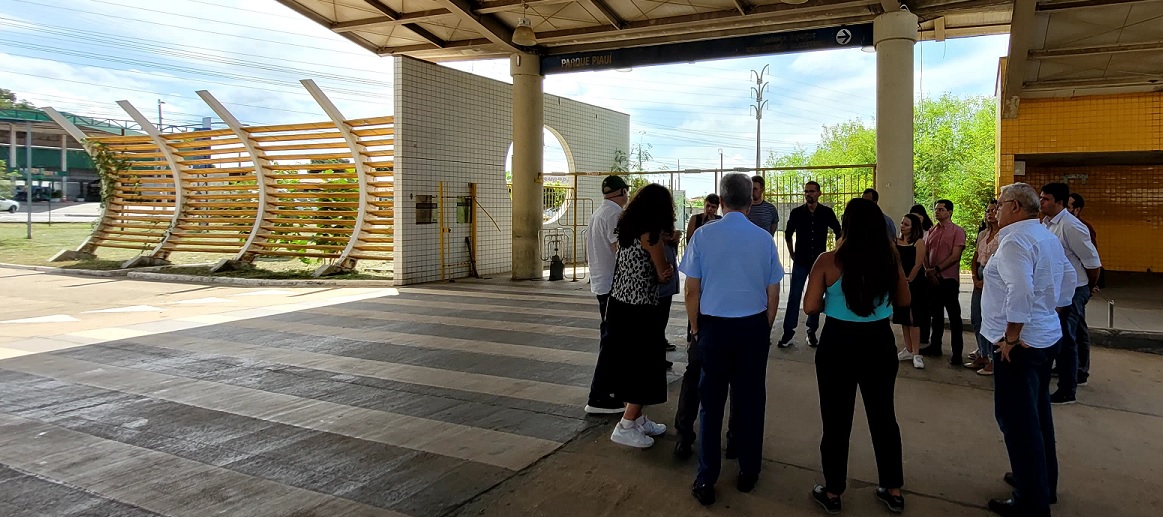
<point>65,271</point>
<point>253,282</point>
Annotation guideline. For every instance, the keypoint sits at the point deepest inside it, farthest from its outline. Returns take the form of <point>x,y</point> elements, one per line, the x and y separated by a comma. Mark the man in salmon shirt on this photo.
<point>945,242</point>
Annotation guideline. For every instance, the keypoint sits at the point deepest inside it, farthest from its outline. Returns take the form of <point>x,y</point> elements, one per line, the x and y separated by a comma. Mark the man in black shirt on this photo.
<point>809,224</point>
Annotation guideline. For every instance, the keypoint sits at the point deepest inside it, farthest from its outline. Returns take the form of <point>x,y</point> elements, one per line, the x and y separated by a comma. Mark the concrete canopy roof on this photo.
<point>449,30</point>
<point>1085,47</point>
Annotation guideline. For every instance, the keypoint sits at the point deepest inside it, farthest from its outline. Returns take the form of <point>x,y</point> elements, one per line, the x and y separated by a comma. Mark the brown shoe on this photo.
<point>977,364</point>
<point>986,370</point>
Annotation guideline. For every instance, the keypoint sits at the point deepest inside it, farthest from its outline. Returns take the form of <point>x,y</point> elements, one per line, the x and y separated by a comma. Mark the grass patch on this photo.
<point>47,240</point>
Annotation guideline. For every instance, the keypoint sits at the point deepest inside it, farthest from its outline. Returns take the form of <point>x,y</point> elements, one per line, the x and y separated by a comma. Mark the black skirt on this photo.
<point>913,315</point>
<point>638,360</point>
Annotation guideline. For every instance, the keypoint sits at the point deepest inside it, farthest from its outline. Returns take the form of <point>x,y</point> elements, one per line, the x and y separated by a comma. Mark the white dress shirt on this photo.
<point>1075,238</point>
<point>599,254</point>
<point>1025,281</point>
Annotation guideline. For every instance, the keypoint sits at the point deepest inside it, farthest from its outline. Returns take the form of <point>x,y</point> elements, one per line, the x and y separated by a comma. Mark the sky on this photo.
<point>82,56</point>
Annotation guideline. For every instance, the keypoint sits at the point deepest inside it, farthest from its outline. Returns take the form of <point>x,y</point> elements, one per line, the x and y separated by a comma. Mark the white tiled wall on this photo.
<point>455,127</point>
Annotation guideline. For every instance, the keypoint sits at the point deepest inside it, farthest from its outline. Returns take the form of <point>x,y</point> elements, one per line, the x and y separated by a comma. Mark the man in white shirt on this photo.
<point>601,252</point>
<point>1083,256</point>
<point>1026,280</point>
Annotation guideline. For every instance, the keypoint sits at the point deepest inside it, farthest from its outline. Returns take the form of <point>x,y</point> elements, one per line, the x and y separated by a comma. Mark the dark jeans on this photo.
<point>791,319</point>
<point>602,388</point>
<point>664,304</point>
<point>943,297</point>
<point>858,355</point>
<point>734,352</point>
<point>984,347</point>
<point>1022,408</point>
<point>1083,340</point>
<point>688,399</point>
<point>1069,357</point>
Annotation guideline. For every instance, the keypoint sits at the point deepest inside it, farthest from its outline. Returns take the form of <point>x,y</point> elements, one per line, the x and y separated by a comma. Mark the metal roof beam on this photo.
<point>1021,36</point>
<point>1155,81</point>
<point>1061,5</point>
<point>611,17</point>
<point>428,36</point>
<point>705,22</point>
<point>1096,50</point>
<point>488,25</point>
<point>498,6</point>
<point>384,21</point>
<point>322,20</point>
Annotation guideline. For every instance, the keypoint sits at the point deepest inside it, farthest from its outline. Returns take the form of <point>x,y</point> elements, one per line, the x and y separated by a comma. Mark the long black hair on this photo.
<point>926,223</point>
<point>868,262</point>
<point>651,210</point>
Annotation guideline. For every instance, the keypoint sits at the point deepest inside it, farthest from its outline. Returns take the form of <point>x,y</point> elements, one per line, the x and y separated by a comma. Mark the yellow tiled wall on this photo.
<point>1123,202</point>
<point>1101,123</point>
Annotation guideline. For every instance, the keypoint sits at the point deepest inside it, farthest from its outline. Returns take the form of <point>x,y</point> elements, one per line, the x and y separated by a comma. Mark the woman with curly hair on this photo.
<point>641,265</point>
<point>856,286</point>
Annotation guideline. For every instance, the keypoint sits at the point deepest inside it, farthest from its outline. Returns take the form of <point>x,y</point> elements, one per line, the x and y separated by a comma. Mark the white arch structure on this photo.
<point>321,190</point>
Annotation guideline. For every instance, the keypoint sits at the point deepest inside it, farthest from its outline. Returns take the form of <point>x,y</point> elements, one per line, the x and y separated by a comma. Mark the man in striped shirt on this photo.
<point>762,213</point>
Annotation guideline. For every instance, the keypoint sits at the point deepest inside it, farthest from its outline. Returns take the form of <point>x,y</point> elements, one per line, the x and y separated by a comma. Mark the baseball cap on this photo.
<point>613,183</point>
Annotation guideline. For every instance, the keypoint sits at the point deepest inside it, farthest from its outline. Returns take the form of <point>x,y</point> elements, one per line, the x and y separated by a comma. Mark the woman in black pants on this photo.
<point>856,286</point>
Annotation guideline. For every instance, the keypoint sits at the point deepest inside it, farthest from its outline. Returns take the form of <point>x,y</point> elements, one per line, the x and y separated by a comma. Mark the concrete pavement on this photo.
<point>458,399</point>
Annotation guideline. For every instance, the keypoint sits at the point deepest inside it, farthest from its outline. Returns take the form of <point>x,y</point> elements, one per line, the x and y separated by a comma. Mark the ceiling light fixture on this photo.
<point>523,35</point>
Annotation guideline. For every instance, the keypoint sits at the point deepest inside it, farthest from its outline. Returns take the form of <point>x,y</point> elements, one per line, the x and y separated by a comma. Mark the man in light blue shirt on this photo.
<point>732,295</point>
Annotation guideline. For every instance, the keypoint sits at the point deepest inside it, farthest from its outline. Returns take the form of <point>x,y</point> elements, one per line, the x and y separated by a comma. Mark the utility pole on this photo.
<point>719,175</point>
<point>28,173</point>
<point>159,114</point>
<point>760,104</point>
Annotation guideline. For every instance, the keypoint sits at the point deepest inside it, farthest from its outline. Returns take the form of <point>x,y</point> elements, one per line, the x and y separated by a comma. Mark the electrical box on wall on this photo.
<point>464,209</point>
<point>425,210</point>
<point>1019,168</point>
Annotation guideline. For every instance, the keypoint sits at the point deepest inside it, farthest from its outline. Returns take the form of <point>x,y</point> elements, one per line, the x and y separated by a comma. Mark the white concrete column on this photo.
<point>527,158</point>
<point>11,146</point>
<point>894,34</point>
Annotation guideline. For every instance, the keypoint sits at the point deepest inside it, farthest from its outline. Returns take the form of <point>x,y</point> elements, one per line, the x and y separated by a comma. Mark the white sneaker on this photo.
<point>904,355</point>
<point>650,428</point>
<point>630,436</point>
<point>918,363</point>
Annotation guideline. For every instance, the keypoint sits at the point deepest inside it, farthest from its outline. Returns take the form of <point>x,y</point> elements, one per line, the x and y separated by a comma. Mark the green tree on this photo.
<point>953,155</point>
<point>8,100</point>
<point>7,181</point>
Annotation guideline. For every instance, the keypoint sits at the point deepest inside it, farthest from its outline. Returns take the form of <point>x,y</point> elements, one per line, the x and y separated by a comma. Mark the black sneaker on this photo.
<point>746,482</point>
<point>704,493</point>
<point>785,341</point>
<point>830,504</point>
<point>1061,398</point>
<point>931,351</point>
<point>956,361</point>
<point>895,503</point>
<point>812,340</point>
<point>683,450</point>
<point>1009,479</point>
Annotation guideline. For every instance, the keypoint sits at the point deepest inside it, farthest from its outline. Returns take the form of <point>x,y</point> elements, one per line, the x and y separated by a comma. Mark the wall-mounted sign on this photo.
<point>854,36</point>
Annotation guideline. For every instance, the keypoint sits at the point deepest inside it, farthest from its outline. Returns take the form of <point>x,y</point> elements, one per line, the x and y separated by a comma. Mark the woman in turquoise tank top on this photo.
<point>856,286</point>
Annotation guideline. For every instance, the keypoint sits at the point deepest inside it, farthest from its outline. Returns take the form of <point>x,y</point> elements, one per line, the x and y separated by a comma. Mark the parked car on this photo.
<point>8,205</point>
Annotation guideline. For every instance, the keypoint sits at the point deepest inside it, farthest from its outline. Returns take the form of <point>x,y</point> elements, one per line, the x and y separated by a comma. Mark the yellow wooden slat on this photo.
<point>300,137</point>
<point>371,121</point>
<point>305,126</point>
<point>378,131</point>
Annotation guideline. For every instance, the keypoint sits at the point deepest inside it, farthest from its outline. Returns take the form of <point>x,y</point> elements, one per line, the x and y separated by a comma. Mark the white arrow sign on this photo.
<point>844,36</point>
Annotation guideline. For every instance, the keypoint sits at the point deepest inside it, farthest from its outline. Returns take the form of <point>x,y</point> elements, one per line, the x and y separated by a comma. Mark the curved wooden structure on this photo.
<point>319,190</point>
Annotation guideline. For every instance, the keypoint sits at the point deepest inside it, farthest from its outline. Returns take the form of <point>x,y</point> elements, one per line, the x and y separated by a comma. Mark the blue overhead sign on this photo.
<point>854,36</point>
